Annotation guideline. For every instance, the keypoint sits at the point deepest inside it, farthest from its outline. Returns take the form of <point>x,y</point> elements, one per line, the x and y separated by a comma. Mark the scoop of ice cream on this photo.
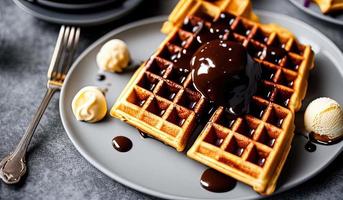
<point>324,118</point>
<point>89,104</point>
<point>113,56</point>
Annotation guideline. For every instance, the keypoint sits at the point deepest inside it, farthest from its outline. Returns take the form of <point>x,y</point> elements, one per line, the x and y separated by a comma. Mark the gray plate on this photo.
<point>314,10</point>
<point>154,168</point>
<point>77,18</point>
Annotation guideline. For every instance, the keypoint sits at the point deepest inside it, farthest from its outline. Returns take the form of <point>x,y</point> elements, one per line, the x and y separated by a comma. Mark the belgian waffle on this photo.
<point>329,6</point>
<point>160,99</point>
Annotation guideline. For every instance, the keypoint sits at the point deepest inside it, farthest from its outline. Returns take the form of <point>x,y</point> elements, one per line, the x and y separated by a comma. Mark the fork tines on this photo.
<point>64,52</point>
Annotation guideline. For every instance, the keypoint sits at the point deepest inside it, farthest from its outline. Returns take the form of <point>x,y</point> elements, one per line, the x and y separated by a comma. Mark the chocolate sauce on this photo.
<point>222,25</point>
<point>215,181</point>
<point>179,75</point>
<point>219,142</point>
<point>143,134</point>
<point>268,74</point>
<point>257,110</point>
<point>313,139</point>
<point>271,142</point>
<point>204,35</point>
<point>122,143</point>
<point>260,162</point>
<point>191,25</point>
<point>227,120</point>
<point>181,59</point>
<point>141,102</point>
<point>208,111</point>
<point>100,77</point>
<point>262,38</point>
<point>239,152</point>
<point>225,74</point>
<point>219,30</point>
<point>310,147</point>
<point>273,55</point>
<point>150,86</point>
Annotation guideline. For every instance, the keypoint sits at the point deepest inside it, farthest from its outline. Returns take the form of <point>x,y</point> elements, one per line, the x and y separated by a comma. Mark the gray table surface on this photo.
<point>56,169</point>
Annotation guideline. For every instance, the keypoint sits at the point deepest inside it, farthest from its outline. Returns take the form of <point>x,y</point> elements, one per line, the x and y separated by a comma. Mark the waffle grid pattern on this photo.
<point>249,145</point>
<point>160,99</point>
<point>163,100</point>
<point>280,75</point>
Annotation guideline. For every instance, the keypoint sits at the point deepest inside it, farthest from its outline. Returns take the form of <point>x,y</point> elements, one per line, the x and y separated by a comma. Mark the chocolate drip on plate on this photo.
<point>122,143</point>
<point>215,181</point>
<point>101,77</point>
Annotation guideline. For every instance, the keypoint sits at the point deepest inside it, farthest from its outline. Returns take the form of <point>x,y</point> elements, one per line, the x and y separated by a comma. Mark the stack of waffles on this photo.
<point>160,98</point>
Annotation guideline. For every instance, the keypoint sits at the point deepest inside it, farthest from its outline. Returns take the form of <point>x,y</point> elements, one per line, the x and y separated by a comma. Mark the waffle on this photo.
<point>157,101</point>
<point>329,6</point>
<point>139,104</point>
<point>160,100</point>
<point>203,7</point>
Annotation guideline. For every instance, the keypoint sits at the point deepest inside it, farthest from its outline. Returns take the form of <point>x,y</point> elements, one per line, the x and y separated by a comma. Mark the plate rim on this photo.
<point>145,189</point>
<point>96,21</point>
<point>316,15</point>
<point>71,6</point>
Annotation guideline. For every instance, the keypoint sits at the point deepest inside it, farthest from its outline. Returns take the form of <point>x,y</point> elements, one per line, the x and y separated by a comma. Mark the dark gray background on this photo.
<point>56,169</point>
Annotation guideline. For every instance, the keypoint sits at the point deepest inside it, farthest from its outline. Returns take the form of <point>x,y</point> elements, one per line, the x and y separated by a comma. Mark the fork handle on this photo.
<point>25,140</point>
<point>13,166</point>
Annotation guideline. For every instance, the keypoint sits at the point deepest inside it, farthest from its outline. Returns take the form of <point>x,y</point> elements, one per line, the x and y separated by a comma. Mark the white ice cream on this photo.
<point>324,117</point>
<point>113,56</point>
<point>89,104</point>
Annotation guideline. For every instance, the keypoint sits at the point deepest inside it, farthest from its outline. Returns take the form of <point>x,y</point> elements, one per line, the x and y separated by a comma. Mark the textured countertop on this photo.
<point>56,169</point>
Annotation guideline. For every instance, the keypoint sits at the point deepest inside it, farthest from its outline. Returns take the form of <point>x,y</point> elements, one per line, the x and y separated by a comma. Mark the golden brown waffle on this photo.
<point>329,6</point>
<point>207,7</point>
<point>160,100</point>
<point>253,148</point>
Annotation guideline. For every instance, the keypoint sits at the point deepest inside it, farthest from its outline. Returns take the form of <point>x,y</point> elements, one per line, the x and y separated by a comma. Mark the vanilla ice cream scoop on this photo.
<point>113,56</point>
<point>323,118</point>
<point>89,104</point>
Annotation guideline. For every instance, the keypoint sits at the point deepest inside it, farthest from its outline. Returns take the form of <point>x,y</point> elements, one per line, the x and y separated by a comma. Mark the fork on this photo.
<point>13,166</point>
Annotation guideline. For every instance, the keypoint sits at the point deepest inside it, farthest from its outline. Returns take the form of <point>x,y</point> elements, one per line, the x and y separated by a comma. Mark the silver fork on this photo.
<point>13,166</point>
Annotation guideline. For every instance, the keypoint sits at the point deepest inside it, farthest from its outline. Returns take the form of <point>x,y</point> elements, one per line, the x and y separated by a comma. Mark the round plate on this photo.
<point>69,5</point>
<point>314,10</point>
<point>156,169</point>
<point>77,18</point>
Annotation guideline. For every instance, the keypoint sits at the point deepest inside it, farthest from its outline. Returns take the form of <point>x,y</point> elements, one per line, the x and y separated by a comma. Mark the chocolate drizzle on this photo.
<point>206,34</point>
<point>143,134</point>
<point>191,25</point>
<point>122,143</point>
<point>324,140</point>
<point>181,59</point>
<point>218,30</point>
<point>221,27</point>
<point>100,77</point>
<point>310,147</point>
<point>224,73</point>
<point>273,55</point>
<point>215,181</point>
